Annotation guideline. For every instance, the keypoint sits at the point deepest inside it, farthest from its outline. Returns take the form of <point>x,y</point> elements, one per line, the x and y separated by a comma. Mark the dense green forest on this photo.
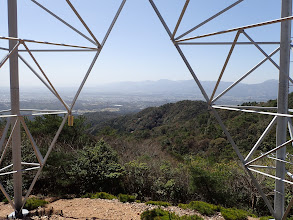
<point>176,153</point>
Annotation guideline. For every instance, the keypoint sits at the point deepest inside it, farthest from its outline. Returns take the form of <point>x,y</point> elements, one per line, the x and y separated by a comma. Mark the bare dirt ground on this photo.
<point>65,209</point>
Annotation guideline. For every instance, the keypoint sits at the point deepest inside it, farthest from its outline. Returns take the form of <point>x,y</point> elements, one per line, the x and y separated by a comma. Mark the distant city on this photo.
<point>127,97</point>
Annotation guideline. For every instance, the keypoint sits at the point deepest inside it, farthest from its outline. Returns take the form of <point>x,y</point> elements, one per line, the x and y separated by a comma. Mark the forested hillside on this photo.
<point>176,153</point>
<point>187,127</point>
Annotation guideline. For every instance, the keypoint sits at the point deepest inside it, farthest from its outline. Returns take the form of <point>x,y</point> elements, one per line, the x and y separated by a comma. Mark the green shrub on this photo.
<point>252,215</point>
<point>34,203</point>
<point>203,207</point>
<point>126,198</point>
<point>159,203</point>
<point>266,218</point>
<point>159,214</point>
<point>183,206</point>
<point>190,217</point>
<point>5,201</point>
<point>99,195</point>
<point>97,168</point>
<point>234,214</point>
<point>154,214</point>
<point>137,201</point>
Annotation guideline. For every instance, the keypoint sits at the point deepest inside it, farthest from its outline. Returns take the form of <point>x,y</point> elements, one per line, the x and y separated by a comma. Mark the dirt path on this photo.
<point>4,210</point>
<point>100,209</point>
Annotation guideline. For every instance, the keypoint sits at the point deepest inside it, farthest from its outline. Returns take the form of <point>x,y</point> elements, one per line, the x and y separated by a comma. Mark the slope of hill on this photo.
<point>184,135</point>
<point>152,117</point>
<point>187,127</point>
<point>176,152</point>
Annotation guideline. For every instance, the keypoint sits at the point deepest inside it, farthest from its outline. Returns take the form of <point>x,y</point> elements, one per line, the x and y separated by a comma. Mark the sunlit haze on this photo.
<point>138,48</point>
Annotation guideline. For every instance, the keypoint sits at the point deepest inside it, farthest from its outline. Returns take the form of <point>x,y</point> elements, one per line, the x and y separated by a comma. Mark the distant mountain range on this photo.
<point>188,89</point>
<point>158,91</point>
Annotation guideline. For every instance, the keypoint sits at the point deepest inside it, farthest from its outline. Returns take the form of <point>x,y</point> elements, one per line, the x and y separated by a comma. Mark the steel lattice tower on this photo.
<point>15,115</point>
<point>281,114</point>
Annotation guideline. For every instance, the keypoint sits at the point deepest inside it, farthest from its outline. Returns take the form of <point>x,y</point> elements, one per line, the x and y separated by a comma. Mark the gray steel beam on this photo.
<point>7,196</point>
<point>15,112</point>
<point>262,137</point>
<point>42,71</point>
<point>19,171</point>
<point>180,51</point>
<point>5,168</point>
<point>64,22</point>
<point>288,209</point>
<point>35,114</point>
<point>52,50</point>
<point>33,143</point>
<point>209,19</point>
<point>225,64</point>
<point>4,111</point>
<point>45,159</point>
<point>238,28</point>
<point>97,54</point>
<point>8,141</point>
<point>2,140</point>
<point>245,75</point>
<point>251,111</point>
<point>283,180</point>
<point>250,107</point>
<point>113,22</point>
<point>279,200</point>
<point>3,48</point>
<point>226,43</point>
<point>14,94</point>
<point>37,75</point>
<point>282,146</point>
<point>261,50</point>
<point>47,43</point>
<point>82,21</point>
<point>180,18</point>
<point>283,161</point>
<point>9,54</point>
<point>215,112</point>
<point>263,167</point>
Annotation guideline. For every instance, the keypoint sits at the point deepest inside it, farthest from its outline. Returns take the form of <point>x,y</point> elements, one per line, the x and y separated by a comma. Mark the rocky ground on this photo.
<point>97,209</point>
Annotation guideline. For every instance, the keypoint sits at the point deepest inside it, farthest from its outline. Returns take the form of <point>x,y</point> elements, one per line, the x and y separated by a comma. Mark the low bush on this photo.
<point>234,214</point>
<point>155,213</point>
<point>160,214</point>
<point>99,195</point>
<point>202,207</point>
<point>183,206</point>
<point>34,203</point>
<point>159,203</point>
<point>190,217</point>
<point>266,218</point>
<point>126,198</point>
<point>252,215</point>
<point>5,201</point>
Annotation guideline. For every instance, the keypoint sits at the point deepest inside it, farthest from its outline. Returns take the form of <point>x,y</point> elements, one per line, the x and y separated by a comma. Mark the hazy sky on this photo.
<point>138,47</point>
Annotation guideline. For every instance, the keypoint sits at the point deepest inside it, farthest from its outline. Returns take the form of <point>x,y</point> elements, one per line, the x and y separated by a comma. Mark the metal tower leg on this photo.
<point>14,93</point>
<point>279,202</point>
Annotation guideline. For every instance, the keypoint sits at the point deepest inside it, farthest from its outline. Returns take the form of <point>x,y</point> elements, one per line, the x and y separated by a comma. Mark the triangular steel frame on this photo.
<point>19,119</point>
<point>246,161</point>
<point>177,41</point>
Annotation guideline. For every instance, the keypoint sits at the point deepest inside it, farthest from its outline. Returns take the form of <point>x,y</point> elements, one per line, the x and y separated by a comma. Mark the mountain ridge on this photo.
<point>189,89</point>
